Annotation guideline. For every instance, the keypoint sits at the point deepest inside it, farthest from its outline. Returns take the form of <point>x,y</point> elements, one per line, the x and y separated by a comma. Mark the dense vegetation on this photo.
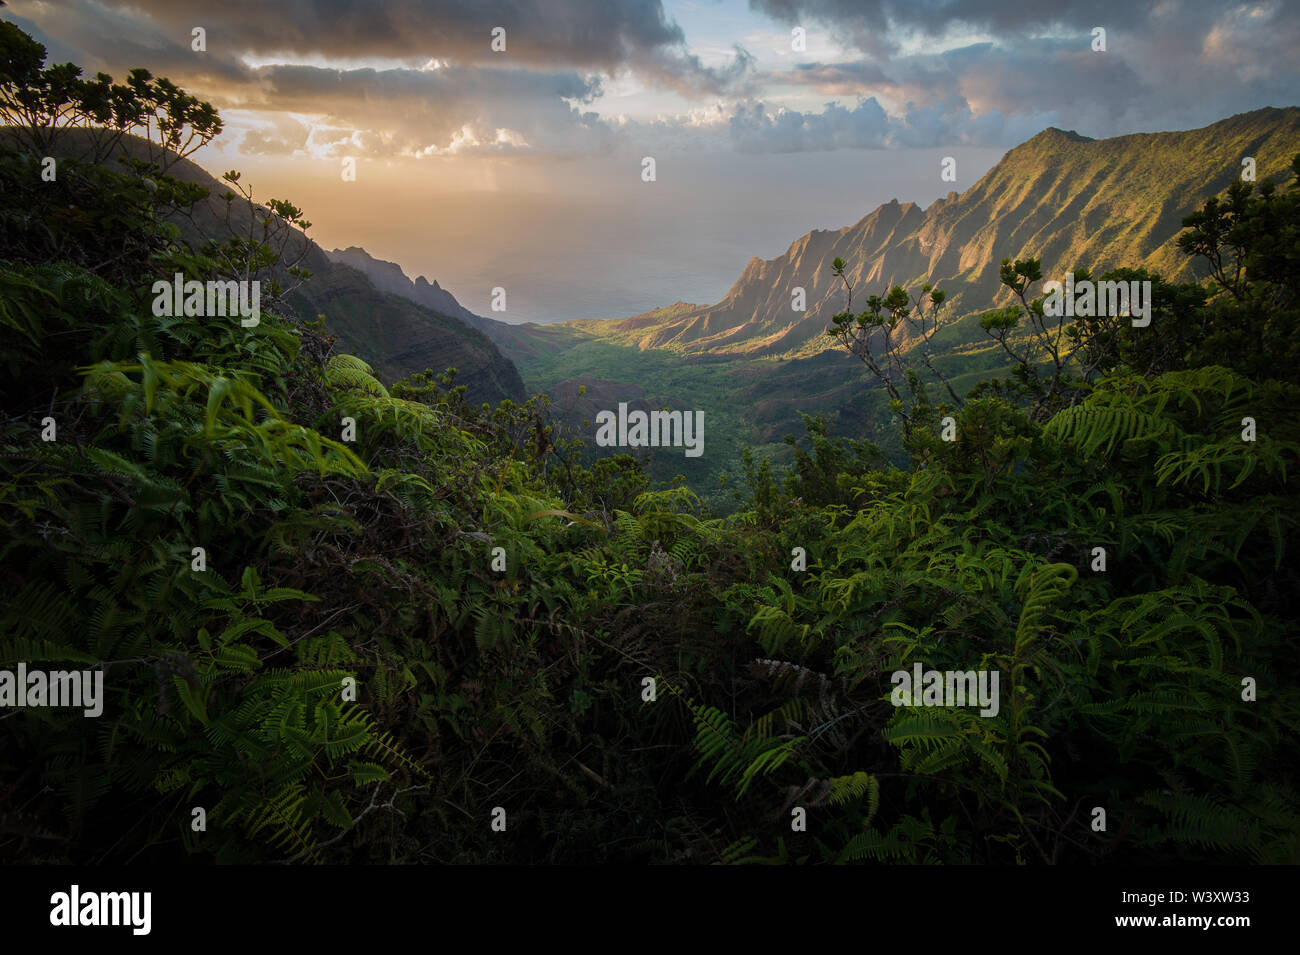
<point>325,560</point>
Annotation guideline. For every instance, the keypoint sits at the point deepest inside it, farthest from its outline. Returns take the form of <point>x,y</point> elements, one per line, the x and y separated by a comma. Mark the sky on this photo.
<point>503,144</point>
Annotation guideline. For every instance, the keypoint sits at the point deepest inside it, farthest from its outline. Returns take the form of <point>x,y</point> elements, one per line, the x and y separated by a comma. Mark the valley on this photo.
<point>754,365</point>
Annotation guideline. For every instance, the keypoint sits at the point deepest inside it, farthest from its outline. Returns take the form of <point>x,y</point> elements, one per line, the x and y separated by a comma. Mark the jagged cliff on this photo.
<point>1072,201</point>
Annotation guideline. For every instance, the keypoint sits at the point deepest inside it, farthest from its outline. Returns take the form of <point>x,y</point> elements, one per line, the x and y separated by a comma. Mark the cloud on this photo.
<point>754,129</point>
<point>282,136</point>
<point>453,110</point>
<point>113,39</point>
<point>420,78</point>
<point>417,78</point>
<point>954,123</point>
<point>878,26</point>
<point>579,33</point>
<point>836,78</point>
<point>1173,64</point>
<point>605,36</point>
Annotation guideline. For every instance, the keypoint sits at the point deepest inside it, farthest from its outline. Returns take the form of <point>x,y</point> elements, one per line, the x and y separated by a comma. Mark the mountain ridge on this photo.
<point>390,277</point>
<point>395,335</point>
<point>1068,199</point>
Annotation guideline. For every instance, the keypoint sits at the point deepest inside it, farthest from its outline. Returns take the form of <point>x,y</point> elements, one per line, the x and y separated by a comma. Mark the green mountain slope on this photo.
<point>1074,202</point>
<point>397,335</point>
<point>400,337</point>
<point>753,364</point>
<point>389,277</point>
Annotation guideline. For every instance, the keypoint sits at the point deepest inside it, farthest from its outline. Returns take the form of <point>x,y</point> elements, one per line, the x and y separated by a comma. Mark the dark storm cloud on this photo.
<point>580,33</point>
<point>113,39</point>
<point>583,35</point>
<point>498,107</point>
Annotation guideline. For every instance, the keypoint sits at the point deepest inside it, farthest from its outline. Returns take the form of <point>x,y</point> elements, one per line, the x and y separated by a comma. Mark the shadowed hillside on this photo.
<point>397,335</point>
<point>389,277</point>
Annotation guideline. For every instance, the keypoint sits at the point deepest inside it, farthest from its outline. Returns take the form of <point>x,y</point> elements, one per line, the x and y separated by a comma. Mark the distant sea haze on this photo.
<point>560,259</point>
<point>610,248</point>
